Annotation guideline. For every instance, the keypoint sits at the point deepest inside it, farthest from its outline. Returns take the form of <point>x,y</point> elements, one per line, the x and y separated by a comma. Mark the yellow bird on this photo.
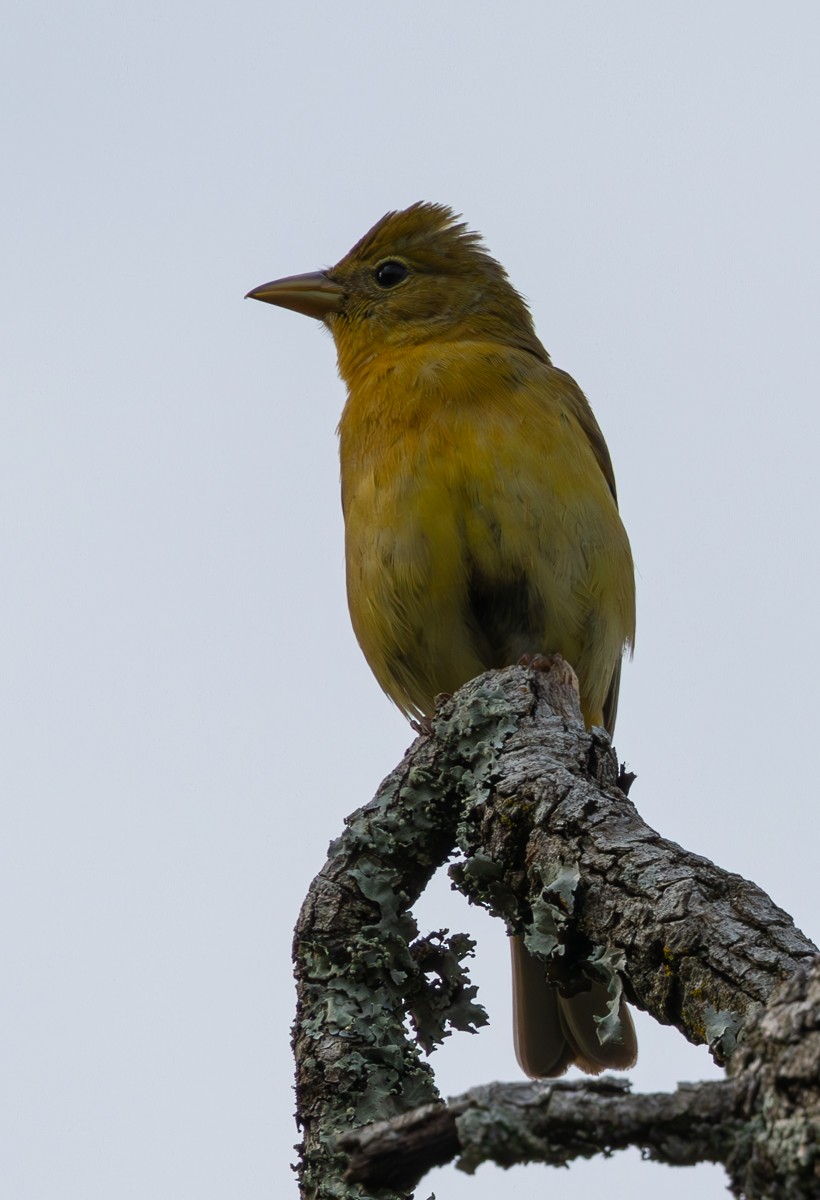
<point>481,519</point>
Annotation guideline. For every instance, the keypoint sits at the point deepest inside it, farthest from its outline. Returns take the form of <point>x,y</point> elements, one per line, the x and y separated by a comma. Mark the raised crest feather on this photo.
<point>430,232</point>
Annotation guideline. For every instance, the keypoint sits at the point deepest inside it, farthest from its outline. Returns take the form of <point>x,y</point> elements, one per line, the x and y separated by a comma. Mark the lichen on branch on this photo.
<point>530,800</point>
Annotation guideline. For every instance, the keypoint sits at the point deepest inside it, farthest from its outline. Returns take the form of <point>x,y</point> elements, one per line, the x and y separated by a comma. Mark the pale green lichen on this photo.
<point>481,880</point>
<point>561,879</point>
<point>550,909</point>
<point>358,986</point>
<point>607,965</point>
<point>443,996</point>
<point>721,1031</point>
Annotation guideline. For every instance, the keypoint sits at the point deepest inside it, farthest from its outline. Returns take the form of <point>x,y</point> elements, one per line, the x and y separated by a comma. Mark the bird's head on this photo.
<point>419,275</point>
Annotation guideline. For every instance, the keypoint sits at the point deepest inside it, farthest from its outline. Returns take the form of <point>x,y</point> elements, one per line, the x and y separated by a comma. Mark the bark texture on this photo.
<point>777,1073</point>
<point>548,1122</point>
<point>550,843</point>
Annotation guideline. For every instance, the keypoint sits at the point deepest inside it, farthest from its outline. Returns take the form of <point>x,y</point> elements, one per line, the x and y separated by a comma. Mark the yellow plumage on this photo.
<point>481,521</point>
<point>479,527</point>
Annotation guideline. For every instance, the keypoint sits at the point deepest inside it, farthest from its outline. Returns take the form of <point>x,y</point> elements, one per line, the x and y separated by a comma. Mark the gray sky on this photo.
<point>186,716</point>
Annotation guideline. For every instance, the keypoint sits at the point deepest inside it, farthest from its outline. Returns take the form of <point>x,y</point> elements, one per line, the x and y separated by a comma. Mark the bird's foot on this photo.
<point>560,682</point>
<point>549,663</point>
<point>424,726</point>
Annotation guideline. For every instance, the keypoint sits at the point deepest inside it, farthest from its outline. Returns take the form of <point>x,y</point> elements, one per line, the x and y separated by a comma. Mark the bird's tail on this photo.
<point>552,1032</point>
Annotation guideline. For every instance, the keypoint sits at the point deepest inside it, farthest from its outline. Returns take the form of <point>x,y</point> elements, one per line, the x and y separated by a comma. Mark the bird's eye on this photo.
<point>389,273</point>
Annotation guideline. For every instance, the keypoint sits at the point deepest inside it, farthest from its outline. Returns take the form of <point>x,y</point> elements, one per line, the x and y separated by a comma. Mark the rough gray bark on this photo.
<point>548,1122</point>
<point>552,845</point>
<point>761,1123</point>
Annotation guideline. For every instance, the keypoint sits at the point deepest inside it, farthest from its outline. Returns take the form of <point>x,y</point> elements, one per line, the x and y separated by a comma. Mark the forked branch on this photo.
<point>548,841</point>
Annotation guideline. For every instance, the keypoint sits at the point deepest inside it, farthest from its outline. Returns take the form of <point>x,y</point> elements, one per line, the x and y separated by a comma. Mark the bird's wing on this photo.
<point>611,702</point>
<point>586,419</point>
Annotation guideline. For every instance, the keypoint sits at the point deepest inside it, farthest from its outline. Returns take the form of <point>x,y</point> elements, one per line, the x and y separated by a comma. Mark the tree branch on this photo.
<point>556,849</point>
<point>547,1122</point>
<point>552,845</point>
<point>762,1123</point>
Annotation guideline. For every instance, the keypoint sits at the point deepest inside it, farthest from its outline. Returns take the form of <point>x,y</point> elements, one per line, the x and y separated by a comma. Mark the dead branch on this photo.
<point>551,844</point>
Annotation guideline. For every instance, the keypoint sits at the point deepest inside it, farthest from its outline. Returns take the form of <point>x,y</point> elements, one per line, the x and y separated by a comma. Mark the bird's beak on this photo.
<point>313,294</point>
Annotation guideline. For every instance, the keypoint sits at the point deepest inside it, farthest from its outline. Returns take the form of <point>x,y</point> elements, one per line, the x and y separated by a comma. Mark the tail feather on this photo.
<point>552,1032</point>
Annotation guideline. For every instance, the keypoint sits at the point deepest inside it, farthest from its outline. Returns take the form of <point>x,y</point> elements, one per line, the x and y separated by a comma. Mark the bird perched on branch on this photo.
<point>481,520</point>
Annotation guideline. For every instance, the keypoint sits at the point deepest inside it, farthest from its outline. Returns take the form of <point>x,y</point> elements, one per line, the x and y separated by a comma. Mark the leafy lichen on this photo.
<point>364,972</point>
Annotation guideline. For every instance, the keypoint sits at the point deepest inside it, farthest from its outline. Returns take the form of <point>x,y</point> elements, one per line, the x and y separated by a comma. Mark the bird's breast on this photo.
<point>476,522</point>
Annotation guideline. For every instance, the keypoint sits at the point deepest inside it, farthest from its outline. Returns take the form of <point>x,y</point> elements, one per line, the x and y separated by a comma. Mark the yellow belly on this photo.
<point>479,525</point>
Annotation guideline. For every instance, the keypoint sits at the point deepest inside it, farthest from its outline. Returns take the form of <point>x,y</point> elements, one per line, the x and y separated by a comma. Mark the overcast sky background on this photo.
<point>186,716</point>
